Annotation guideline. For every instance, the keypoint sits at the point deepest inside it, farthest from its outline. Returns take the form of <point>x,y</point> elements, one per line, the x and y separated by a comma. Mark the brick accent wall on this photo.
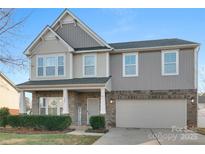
<point>75,99</point>
<point>155,94</point>
<point>80,99</point>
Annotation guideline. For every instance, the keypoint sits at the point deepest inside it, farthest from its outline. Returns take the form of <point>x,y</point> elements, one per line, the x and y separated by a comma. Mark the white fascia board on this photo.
<point>154,48</point>
<point>90,51</point>
<point>84,26</point>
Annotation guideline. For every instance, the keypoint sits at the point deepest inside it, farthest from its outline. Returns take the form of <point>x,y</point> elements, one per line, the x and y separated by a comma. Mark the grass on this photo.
<point>46,139</point>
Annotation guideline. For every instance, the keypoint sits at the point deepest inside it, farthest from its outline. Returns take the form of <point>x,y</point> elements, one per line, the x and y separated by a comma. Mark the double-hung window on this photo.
<point>50,105</point>
<point>130,64</point>
<point>40,70</point>
<point>170,62</point>
<point>50,65</point>
<point>89,65</point>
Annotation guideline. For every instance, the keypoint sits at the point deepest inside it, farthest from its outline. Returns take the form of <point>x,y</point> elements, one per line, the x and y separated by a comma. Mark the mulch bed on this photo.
<point>33,131</point>
<point>90,130</point>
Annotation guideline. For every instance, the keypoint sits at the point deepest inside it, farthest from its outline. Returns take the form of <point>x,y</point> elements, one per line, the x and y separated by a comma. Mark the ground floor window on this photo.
<point>50,105</point>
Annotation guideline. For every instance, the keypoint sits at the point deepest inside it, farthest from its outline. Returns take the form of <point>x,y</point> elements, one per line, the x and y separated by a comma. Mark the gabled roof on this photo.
<point>152,43</point>
<point>84,26</point>
<point>7,80</point>
<point>47,28</point>
<point>97,80</point>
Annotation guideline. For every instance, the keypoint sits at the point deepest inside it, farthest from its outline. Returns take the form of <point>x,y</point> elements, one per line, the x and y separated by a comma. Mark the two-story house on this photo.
<point>142,84</point>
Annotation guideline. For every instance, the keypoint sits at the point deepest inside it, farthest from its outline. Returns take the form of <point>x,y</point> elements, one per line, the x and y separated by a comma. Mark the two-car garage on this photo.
<point>151,113</point>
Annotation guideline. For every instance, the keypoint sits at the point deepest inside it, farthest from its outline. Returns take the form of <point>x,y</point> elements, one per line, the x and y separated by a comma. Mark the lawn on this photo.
<point>46,139</point>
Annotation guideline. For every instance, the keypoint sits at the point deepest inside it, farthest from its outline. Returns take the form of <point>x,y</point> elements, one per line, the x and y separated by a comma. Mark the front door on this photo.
<point>93,107</point>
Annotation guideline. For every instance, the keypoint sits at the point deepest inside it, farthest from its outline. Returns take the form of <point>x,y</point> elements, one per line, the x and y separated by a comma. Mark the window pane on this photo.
<point>130,70</point>
<point>89,70</point>
<point>130,59</point>
<point>60,70</point>
<point>40,71</point>
<point>50,71</point>
<point>40,62</point>
<point>61,111</point>
<point>170,57</point>
<point>89,60</point>
<point>51,61</point>
<point>170,68</point>
<point>60,61</point>
<point>42,102</point>
<point>52,106</point>
<point>42,111</point>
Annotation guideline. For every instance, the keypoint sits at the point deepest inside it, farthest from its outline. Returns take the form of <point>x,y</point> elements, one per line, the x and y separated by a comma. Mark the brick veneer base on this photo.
<point>80,99</point>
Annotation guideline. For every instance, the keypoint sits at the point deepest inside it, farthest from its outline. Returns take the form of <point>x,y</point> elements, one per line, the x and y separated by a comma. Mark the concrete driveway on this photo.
<point>126,136</point>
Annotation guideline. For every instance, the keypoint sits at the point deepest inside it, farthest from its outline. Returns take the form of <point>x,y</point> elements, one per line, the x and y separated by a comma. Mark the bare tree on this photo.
<point>9,27</point>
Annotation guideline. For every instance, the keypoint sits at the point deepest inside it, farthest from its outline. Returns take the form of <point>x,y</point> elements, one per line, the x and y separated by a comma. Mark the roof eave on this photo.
<point>156,48</point>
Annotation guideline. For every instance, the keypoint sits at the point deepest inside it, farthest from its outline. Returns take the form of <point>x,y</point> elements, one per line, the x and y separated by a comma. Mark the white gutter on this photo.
<point>90,51</point>
<point>155,48</point>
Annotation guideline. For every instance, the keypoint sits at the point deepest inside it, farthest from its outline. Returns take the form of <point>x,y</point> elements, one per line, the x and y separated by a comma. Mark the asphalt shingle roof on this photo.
<point>99,80</point>
<point>150,43</point>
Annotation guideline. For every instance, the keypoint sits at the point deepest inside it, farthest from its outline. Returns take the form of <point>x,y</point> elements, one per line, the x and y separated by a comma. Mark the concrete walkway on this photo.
<point>80,130</point>
<point>124,136</point>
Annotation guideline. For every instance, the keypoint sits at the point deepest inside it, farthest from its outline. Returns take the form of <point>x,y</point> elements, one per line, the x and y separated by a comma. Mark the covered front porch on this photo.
<point>80,101</point>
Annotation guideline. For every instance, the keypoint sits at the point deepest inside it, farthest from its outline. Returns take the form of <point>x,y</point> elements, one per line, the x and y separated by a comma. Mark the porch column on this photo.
<point>102,101</point>
<point>22,105</point>
<point>65,102</point>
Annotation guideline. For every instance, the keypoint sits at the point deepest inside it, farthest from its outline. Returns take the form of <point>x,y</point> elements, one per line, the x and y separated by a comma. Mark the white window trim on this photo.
<point>46,107</point>
<point>137,61</point>
<point>163,52</point>
<point>44,67</point>
<point>95,63</point>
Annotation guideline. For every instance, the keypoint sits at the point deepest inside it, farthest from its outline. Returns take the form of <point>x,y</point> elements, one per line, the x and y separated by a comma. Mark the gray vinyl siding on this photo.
<point>150,77</point>
<point>101,63</point>
<point>76,36</point>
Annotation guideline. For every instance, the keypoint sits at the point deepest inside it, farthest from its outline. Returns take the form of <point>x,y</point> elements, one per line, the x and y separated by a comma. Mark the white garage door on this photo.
<point>150,113</point>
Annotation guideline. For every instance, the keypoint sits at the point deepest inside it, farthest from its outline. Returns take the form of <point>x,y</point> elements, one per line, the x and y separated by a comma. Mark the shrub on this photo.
<point>4,113</point>
<point>40,122</point>
<point>97,122</point>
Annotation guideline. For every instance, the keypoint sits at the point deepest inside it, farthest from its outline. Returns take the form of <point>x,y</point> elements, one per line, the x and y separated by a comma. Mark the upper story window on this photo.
<point>50,65</point>
<point>170,62</point>
<point>89,65</point>
<point>130,64</point>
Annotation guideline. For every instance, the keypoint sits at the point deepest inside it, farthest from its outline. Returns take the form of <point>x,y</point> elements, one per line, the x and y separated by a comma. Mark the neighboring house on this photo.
<point>9,96</point>
<point>142,84</point>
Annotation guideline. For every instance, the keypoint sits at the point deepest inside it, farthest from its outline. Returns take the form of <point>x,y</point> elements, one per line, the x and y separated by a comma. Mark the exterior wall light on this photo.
<point>192,100</point>
<point>111,101</point>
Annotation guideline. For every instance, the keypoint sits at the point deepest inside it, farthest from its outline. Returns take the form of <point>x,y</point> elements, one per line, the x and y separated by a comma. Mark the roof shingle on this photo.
<point>99,80</point>
<point>151,43</point>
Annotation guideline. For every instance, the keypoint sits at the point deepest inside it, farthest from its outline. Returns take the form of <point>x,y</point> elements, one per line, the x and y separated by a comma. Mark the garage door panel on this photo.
<point>150,113</point>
